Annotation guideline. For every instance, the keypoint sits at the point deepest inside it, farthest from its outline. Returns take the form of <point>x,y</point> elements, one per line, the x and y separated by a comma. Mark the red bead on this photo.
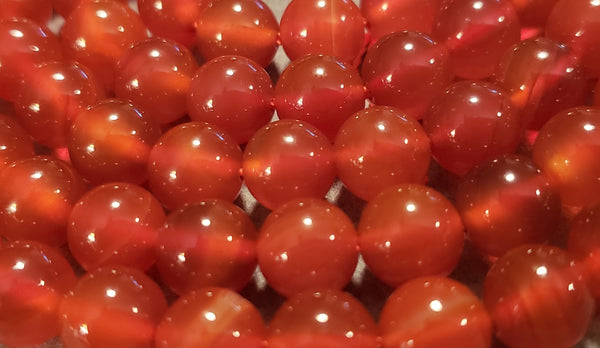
<point>330,27</point>
<point>533,13</point>
<point>288,159</point>
<point>331,318</point>
<point>307,244</point>
<point>476,33</point>
<point>65,7</point>
<point>432,312</point>
<point>406,70</point>
<point>320,90</point>
<point>38,11</point>
<point>193,162</point>
<point>211,243</point>
<point>245,28</point>
<point>115,224</point>
<point>368,141</point>
<point>15,143</point>
<point>111,141</point>
<point>112,307</point>
<point>470,123</point>
<point>232,78</point>
<point>35,277</point>
<point>410,231</point>
<point>155,75</point>
<point>584,243</point>
<point>537,297</point>
<point>211,317</point>
<point>36,200</point>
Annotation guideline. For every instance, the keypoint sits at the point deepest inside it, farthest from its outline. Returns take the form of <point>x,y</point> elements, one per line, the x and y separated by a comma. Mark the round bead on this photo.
<point>38,11</point>
<point>65,7</point>
<point>584,243</point>
<point>15,143</point>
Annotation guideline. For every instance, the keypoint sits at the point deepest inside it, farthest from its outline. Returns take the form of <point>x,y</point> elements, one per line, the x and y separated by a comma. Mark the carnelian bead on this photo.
<point>115,224</point>
<point>374,148</point>
<point>245,28</point>
<point>288,159</point>
<point>98,32</point>
<point>431,312</point>
<point>51,100</point>
<point>38,11</point>
<point>476,33</point>
<point>537,297</point>
<point>584,243</point>
<point>210,243</point>
<point>211,317</point>
<point>320,90</point>
<point>566,151</point>
<point>35,277</point>
<point>111,141</point>
<point>112,307</point>
<point>307,244</point>
<point>15,143</point>
<point>232,78</point>
<point>406,70</point>
<point>408,231</point>
<point>533,13</point>
<point>507,202</point>
<point>193,162</point>
<point>330,318</point>
<point>470,122</point>
<point>37,198</point>
<point>155,74</point>
<point>330,27</point>
<point>65,7</point>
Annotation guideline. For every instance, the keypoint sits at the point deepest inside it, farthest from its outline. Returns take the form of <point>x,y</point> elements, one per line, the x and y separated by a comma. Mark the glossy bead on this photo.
<point>476,33</point>
<point>98,32</point>
<point>35,277</point>
<point>65,7</point>
<point>330,27</point>
<point>432,312</point>
<point>566,151</point>
<point>533,13</point>
<point>245,28</point>
<point>47,105</point>
<point>155,75</point>
<point>584,244</point>
<point>15,143</point>
<point>537,297</point>
<point>115,224</point>
<point>507,202</point>
<point>469,123</point>
<point>232,78</point>
<point>320,90</point>
<point>211,317</point>
<point>288,159</point>
<point>111,141</point>
<point>330,318</point>
<point>211,243</point>
<point>410,231</point>
<point>37,196</point>
<point>38,11</point>
<point>307,244</point>
<point>112,307</point>
<point>380,147</point>
<point>406,70</point>
<point>193,162</point>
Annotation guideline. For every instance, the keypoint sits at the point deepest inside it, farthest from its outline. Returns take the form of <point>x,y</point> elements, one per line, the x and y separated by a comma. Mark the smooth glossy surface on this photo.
<point>112,307</point>
<point>410,231</point>
<point>330,318</point>
<point>288,159</point>
<point>470,123</point>
<point>65,7</point>
<point>380,147</point>
<point>15,143</point>
<point>533,13</point>
<point>433,312</point>
<point>245,28</point>
<point>307,244</point>
<point>232,78</point>
<point>211,243</point>
<point>111,141</point>
<point>35,277</point>
<point>537,297</point>
<point>406,70</point>
<point>320,90</point>
<point>507,202</point>
<point>115,224</point>
<point>211,317</point>
<point>193,162</point>
<point>476,33</point>
<point>331,27</point>
<point>37,196</point>
<point>38,11</point>
<point>584,244</point>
